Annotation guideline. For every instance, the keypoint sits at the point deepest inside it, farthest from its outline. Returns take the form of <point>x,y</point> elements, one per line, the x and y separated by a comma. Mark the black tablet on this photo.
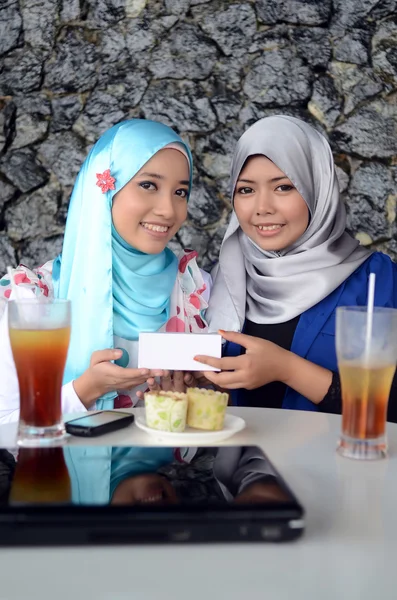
<point>112,495</point>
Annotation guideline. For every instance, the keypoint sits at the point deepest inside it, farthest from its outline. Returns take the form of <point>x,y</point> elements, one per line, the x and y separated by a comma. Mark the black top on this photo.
<point>272,394</point>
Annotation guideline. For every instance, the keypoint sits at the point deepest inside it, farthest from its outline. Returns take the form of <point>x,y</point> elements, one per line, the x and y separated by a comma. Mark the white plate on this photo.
<point>192,436</point>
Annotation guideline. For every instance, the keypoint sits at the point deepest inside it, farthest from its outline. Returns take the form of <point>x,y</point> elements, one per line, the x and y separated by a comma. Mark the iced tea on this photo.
<point>366,347</point>
<point>365,395</point>
<point>39,336</point>
<point>40,357</point>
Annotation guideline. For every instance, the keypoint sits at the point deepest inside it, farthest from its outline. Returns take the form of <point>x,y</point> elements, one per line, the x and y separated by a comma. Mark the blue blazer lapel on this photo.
<point>312,321</point>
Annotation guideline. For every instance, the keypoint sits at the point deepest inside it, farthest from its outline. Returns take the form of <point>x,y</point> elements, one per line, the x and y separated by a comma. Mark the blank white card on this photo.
<point>175,351</point>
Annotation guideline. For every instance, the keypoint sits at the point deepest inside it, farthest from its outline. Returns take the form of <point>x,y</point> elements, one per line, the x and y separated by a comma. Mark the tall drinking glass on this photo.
<point>39,335</point>
<point>366,369</point>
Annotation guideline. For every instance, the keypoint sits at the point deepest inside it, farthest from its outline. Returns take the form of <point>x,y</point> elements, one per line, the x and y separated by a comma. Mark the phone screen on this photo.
<point>98,419</point>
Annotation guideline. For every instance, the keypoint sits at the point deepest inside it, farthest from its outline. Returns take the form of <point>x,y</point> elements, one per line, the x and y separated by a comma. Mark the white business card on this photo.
<point>176,351</point>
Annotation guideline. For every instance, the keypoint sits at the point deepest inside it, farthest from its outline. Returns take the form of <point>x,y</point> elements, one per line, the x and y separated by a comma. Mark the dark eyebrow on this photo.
<point>154,175</point>
<point>270,180</point>
<point>158,176</point>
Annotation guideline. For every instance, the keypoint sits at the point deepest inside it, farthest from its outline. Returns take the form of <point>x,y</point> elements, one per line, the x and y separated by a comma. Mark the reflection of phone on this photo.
<point>99,423</point>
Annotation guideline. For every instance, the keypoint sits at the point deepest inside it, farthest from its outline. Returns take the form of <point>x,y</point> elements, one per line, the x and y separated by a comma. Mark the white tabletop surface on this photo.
<point>349,550</point>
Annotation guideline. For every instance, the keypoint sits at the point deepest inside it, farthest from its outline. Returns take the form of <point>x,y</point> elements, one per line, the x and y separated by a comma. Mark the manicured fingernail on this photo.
<point>117,352</point>
<point>144,371</point>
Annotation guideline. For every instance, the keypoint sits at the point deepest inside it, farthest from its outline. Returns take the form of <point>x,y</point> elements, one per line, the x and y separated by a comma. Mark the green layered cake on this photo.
<point>166,411</point>
<point>206,409</point>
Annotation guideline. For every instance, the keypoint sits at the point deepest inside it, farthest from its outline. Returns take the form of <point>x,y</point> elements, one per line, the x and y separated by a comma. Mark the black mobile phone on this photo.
<point>99,423</point>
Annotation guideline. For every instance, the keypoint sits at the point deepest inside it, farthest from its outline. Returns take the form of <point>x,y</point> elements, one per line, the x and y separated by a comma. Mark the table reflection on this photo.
<point>140,477</point>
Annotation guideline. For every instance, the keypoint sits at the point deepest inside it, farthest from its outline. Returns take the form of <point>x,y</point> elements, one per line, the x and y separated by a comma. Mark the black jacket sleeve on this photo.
<point>332,402</point>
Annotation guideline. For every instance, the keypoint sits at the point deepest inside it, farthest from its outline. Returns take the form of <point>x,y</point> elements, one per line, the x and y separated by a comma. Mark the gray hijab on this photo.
<point>274,287</point>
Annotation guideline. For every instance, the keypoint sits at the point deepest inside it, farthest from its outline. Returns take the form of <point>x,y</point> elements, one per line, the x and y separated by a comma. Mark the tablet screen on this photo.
<point>142,478</point>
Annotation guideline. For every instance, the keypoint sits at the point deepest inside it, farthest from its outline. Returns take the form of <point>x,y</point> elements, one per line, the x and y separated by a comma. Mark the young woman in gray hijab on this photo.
<point>286,263</point>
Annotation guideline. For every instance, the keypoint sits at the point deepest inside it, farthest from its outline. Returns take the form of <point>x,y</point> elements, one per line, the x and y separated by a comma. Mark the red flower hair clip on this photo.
<point>105,181</point>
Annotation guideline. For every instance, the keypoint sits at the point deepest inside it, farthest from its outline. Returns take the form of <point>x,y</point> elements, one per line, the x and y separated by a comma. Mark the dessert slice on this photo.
<point>166,411</point>
<point>206,409</point>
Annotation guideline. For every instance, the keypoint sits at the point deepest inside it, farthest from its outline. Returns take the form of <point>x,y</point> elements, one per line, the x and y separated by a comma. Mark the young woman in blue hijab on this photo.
<point>129,200</point>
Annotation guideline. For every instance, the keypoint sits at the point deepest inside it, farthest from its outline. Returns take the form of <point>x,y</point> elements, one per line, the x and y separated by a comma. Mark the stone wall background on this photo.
<point>72,68</point>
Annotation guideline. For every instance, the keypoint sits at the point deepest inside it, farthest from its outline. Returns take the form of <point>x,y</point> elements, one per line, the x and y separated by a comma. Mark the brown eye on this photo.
<point>148,185</point>
<point>245,190</point>
<point>285,188</point>
<point>182,193</point>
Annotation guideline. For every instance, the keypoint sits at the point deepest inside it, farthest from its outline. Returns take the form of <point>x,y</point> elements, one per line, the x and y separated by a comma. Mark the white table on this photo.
<point>349,550</point>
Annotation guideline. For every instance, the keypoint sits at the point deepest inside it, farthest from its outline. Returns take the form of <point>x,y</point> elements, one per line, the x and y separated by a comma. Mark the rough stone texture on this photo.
<point>177,7</point>
<point>23,169</point>
<point>185,54</point>
<point>205,203</point>
<point>369,192</point>
<point>100,113</point>
<point>183,104</point>
<point>230,72</point>
<point>7,252</point>
<point>343,179</point>
<point>353,47</point>
<point>36,104</point>
<point>355,84</point>
<point>384,54</point>
<point>305,12</point>
<point>64,154</point>
<point>370,132</point>
<point>72,68</point>
<point>70,10</point>
<point>7,191</point>
<point>7,121</point>
<point>65,111</point>
<point>40,19</point>
<point>353,13</point>
<point>10,25</point>
<point>313,44</point>
<point>21,72</point>
<point>325,102</point>
<point>38,251</point>
<point>278,78</point>
<point>34,215</point>
<point>102,12</point>
<point>28,130</point>
<point>230,29</point>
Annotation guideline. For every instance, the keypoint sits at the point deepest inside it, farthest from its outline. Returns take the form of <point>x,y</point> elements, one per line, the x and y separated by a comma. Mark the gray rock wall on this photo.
<point>72,68</point>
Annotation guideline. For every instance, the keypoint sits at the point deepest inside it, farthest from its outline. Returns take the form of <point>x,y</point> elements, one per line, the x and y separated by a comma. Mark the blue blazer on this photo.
<point>314,337</point>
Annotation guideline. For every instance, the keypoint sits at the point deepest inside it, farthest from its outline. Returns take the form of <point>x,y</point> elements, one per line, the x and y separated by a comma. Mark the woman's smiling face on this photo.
<point>152,206</point>
<point>269,208</point>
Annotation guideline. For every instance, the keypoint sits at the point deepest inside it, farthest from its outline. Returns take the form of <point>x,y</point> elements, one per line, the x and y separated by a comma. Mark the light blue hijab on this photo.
<point>114,288</point>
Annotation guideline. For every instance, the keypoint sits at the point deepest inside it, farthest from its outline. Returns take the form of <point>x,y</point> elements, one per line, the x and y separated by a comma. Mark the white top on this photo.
<point>9,390</point>
<point>348,551</point>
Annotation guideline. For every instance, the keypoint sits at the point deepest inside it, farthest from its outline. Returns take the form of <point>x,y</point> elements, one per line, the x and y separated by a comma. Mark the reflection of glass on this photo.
<point>366,378</point>
<point>41,476</point>
<point>39,336</point>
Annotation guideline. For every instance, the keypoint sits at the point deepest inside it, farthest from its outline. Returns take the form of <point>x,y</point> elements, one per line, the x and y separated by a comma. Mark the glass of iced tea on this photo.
<point>39,335</point>
<point>366,368</point>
